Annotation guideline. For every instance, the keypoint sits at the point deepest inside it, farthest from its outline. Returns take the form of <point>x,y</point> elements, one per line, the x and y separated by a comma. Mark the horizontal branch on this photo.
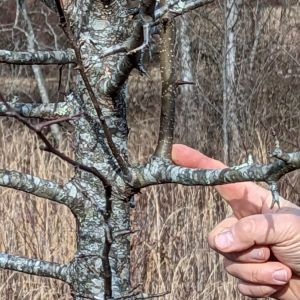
<point>160,170</point>
<point>40,110</point>
<point>34,185</point>
<point>141,295</point>
<point>38,58</point>
<point>34,266</point>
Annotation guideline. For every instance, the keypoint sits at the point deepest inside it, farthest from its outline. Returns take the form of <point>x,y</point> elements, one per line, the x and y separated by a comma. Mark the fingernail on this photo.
<point>224,239</point>
<point>257,254</point>
<point>280,275</point>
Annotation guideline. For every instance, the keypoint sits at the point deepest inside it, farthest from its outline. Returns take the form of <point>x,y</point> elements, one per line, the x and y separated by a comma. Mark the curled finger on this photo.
<point>267,273</point>
<point>257,290</point>
<point>256,254</point>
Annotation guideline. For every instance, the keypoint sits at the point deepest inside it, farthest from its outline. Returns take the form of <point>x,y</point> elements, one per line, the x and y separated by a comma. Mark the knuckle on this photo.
<point>247,225</point>
<point>255,275</point>
<point>255,291</point>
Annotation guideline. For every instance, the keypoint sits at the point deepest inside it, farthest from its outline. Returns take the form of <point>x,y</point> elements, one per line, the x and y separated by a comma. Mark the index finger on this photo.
<point>245,198</point>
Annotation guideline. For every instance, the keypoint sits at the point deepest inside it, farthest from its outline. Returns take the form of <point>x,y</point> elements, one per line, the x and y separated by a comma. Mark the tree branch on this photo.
<point>141,295</point>
<point>44,111</point>
<point>168,82</point>
<point>189,5</point>
<point>34,266</point>
<point>137,41</point>
<point>38,58</point>
<point>34,185</point>
<point>112,85</point>
<point>161,170</point>
<point>127,45</point>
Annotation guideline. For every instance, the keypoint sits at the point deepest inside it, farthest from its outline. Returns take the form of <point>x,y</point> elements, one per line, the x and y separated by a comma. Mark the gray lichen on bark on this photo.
<point>38,57</point>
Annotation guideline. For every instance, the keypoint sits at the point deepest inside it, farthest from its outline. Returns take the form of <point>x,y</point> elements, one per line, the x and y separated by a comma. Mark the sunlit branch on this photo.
<point>34,185</point>
<point>160,170</point>
<point>119,48</point>
<point>40,110</point>
<point>38,57</point>
<point>190,5</point>
<point>34,266</point>
<point>146,42</point>
<point>168,84</point>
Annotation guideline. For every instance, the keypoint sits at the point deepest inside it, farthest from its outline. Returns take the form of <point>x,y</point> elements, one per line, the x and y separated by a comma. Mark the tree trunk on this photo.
<point>230,128</point>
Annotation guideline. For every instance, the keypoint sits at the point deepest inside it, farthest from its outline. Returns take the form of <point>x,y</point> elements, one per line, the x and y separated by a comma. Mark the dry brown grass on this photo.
<point>31,226</point>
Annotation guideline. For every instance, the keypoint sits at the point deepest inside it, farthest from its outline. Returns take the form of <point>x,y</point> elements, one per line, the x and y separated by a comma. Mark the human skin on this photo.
<point>248,238</point>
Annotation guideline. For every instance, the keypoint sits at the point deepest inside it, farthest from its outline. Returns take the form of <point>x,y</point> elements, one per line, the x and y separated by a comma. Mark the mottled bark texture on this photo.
<point>38,58</point>
<point>100,267</point>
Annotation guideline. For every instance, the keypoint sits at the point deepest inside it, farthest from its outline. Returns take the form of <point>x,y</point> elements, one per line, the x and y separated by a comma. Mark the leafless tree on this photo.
<point>108,41</point>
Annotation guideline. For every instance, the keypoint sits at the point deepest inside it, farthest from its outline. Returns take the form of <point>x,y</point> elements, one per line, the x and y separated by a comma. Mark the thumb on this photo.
<point>190,158</point>
<point>261,229</point>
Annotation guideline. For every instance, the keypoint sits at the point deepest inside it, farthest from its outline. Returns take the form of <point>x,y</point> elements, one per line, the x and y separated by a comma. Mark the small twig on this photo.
<point>156,295</point>
<point>135,287</point>
<point>140,295</point>
<point>119,48</point>
<point>178,83</point>
<point>81,295</point>
<point>60,11</point>
<point>146,43</point>
<point>124,232</point>
<point>39,127</point>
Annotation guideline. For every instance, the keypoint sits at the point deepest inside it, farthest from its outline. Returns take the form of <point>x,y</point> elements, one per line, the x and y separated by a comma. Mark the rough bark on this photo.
<point>38,57</point>
<point>34,266</point>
